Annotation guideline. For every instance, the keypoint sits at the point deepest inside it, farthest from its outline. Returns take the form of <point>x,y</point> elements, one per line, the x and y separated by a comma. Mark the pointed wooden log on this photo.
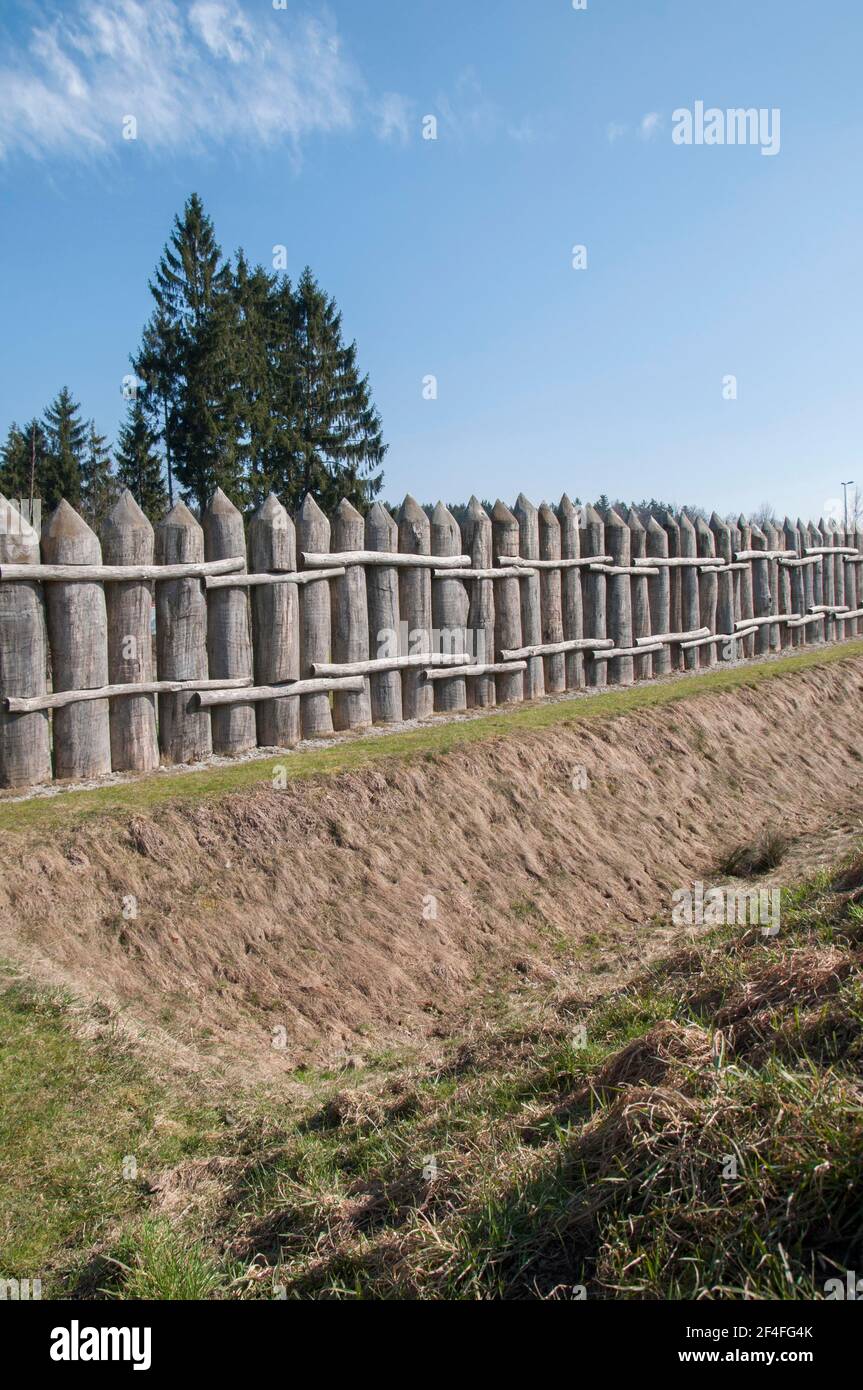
<point>351,710</point>
<point>275,622</point>
<point>592,542</point>
<point>25,753</point>
<point>181,639</point>
<point>551,598</point>
<point>689,594</point>
<point>671,526</point>
<point>852,580</point>
<point>617,542</point>
<point>229,641</point>
<point>792,595</point>
<point>659,595</point>
<point>382,592</point>
<point>415,604</point>
<point>815,546</point>
<point>747,587</point>
<point>313,536</point>
<point>527,517</point>
<point>708,588</point>
<point>127,539</point>
<point>725,611</point>
<point>837,535</point>
<point>571,596</point>
<point>78,634</point>
<point>507,601</point>
<point>761,596</point>
<point>643,666</point>
<point>450,608</point>
<point>476,541</point>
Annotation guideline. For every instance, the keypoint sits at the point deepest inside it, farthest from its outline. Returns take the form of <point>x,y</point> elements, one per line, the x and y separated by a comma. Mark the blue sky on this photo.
<point>453,257</point>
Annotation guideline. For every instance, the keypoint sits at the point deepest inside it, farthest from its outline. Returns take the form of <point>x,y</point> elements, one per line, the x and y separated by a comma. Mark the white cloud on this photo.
<point>394,117</point>
<point>615,131</point>
<point>193,76</point>
<point>650,124</point>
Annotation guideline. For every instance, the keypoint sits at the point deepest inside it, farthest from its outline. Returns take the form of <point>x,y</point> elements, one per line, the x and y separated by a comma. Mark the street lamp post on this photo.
<point>845,487</point>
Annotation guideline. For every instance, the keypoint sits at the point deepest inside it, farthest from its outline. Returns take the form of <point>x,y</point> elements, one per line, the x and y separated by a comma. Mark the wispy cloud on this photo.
<point>615,131</point>
<point>394,113</point>
<point>192,75</point>
<point>650,125</point>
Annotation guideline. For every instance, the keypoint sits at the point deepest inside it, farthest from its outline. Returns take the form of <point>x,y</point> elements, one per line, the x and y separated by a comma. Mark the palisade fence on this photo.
<point>304,627</point>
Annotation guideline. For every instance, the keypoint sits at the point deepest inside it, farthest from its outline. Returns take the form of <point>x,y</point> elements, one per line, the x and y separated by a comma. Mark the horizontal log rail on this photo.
<point>663,638</point>
<point>765,554</point>
<point>810,618</point>
<point>800,564</point>
<point>717,637</point>
<point>770,618</point>
<point>575,644</point>
<point>243,581</point>
<point>213,698</point>
<point>830,609</point>
<point>117,574</point>
<point>493,668</point>
<point>61,698</point>
<point>582,562</point>
<point>851,613</point>
<point>614,652</point>
<point>643,571</point>
<point>391,559</point>
<point>388,663</point>
<point>830,550</point>
<point>680,562</point>
<point>509,572</point>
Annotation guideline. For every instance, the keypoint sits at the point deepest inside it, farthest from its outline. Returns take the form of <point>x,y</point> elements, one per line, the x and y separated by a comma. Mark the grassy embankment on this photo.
<point>702,1136</point>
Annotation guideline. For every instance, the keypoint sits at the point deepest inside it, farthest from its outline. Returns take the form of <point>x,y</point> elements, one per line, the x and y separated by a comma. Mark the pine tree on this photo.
<point>158,367</point>
<point>139,467</point>
<point>339,436</point>
<point>15,464</point>
<point>192,290</point>
<point>259,359</point>
<point>66,435</point>
<point>98,482</point>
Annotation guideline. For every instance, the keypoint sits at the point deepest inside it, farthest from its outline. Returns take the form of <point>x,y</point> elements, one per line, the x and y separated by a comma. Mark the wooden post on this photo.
<point>747,582</point>
<point>689,597</point>
<point>25,752</point>
<point>810,633</point>
<point>773,537</point>
<point>659,596</point>
<point>708,590</point>
<point>382,591</point>
<point>573,611</point>
<point>791,587</point>
<point>592,540</point>
<point>449,610</point>
<point>507,602</point>
<point>852,587</point>
<point>229,643</point>
<point>275,622</point>
<point>619,611</point>
<point>181,639</point>
<point>477,543</point>
<point>725,609</point>
<point>313,530</point>
<point>525,514</point>
<point>761,596</point>
<point>350,618</point>
<point>643,665</point>
<point>819,585</point>
<point>837,539</point>
<point>551,598</point>
<point>671,527</point>
<point>127,539</point>
<point>416,607</point>
<point>78,633</point>
<point>737,582</point>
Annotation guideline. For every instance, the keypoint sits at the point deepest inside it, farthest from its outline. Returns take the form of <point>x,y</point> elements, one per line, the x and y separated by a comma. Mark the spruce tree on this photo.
<point>192,290</point>
<point>98,482</point>
<point>158,367</point>
<point>339,435</point>
<point>139,467</point>
<point>15,464</point>
<point>66,434</point>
